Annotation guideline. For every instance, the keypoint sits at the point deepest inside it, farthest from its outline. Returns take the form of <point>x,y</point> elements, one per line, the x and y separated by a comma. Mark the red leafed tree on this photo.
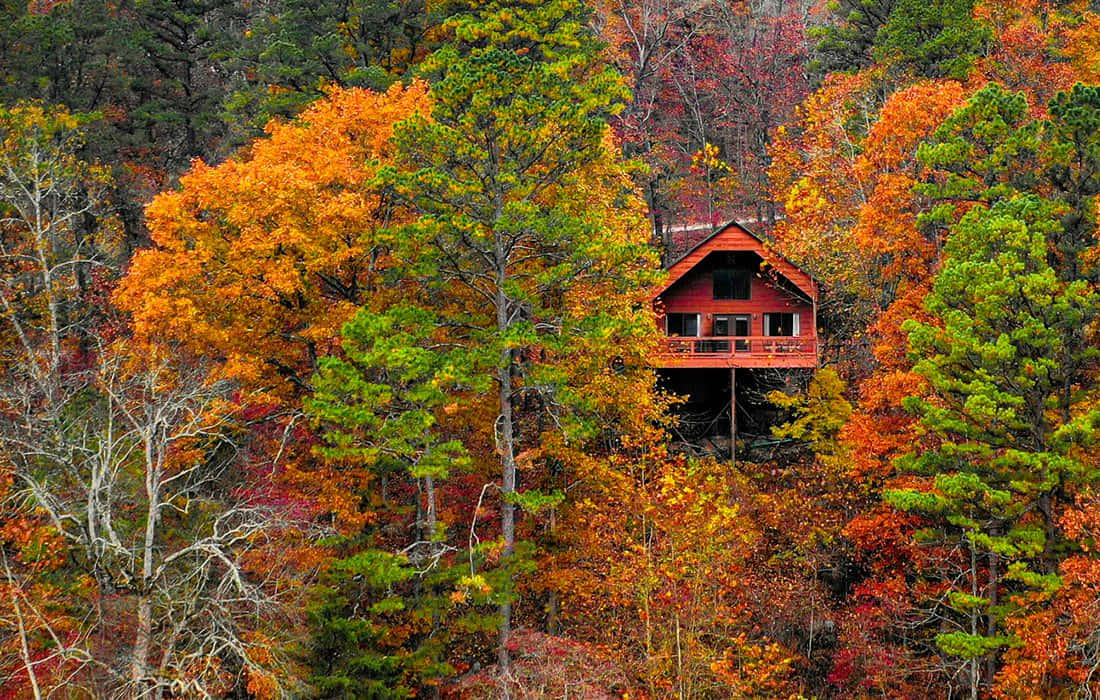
<point>711,83</point>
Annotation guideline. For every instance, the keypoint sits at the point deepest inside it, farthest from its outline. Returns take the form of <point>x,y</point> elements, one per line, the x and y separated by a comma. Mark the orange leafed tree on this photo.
<point>258,263</point>
<point>260,260</point>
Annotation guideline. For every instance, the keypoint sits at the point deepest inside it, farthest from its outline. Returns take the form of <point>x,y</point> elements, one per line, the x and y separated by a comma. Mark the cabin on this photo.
<point>730,303</point>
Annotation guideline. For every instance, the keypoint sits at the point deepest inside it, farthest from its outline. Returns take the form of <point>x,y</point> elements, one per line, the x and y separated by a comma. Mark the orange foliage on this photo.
<point>1033,44</point>
<point>815,176</point>
<point>1058,637</point>
<point>260,261</point>
<point>654,563</point>
<point>846,176</point>
<point>1082,47</point>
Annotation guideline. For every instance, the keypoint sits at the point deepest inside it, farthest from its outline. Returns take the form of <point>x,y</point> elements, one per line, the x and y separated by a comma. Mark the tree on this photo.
<point>133,477</point>
<point>155,72</point>
<point>932,39</point>
<point>710,83</point>
<point>998,368</point>
<point>660,572</point>
<point>112,464</point>
<point>516,141</point>
<point>259,262</point>
<point>848,45</point>
<point>377,407</point>
<point>293,49</point>
<point>643,40</point>
<point>181,77</point>
<point>877,254</point>
<point>49,254</point>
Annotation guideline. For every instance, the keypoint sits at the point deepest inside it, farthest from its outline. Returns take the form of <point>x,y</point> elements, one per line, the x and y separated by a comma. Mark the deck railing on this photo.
<point>740,346</point>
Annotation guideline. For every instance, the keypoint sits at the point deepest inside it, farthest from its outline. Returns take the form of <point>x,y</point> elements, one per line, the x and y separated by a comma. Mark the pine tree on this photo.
<point>1008,359</point>
<point>379,624</point>
<point>525,220</point>
<point>996,368</point>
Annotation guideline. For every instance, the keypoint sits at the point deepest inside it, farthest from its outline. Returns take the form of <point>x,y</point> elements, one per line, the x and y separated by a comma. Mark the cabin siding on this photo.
<point>695,294</point>
<point>735,238</point>
<point>689,289</point>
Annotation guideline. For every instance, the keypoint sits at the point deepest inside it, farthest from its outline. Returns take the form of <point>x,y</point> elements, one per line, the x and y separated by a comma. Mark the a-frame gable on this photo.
<point>735,237</point>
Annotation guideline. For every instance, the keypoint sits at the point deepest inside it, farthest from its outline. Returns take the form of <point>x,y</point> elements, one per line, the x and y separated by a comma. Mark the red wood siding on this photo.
<point>734,237</point>
<point>694,293</point>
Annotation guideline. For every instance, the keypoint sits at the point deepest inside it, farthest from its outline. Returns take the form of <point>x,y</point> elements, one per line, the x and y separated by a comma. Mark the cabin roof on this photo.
<point>732,236</point>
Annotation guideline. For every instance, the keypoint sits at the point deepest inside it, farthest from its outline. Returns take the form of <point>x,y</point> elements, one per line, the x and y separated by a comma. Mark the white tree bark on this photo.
<point>137,487</point>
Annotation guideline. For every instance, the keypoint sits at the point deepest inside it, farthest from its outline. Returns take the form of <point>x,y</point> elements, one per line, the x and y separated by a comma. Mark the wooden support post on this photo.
<point>733,415</point>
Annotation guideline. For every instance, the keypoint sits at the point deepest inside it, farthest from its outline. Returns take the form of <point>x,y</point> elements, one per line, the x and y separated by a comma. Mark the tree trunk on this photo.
<point>508,475</point>
<point>143,632</point>
<point>143,637</point>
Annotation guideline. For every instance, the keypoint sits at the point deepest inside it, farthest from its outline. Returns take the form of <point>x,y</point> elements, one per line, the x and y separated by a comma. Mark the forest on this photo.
<point>327,339</point>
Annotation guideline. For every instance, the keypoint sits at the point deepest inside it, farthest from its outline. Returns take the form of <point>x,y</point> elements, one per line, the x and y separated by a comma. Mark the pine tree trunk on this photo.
<point>508,476</point>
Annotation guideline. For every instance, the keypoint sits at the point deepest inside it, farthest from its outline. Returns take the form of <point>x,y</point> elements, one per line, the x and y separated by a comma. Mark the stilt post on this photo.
<point>733,415</point>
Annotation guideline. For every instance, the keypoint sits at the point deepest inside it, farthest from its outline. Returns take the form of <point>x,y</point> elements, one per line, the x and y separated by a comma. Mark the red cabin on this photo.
<point>729,302</point>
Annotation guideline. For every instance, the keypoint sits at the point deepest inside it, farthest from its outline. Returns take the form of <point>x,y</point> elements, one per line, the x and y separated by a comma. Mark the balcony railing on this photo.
<point>740,346</point>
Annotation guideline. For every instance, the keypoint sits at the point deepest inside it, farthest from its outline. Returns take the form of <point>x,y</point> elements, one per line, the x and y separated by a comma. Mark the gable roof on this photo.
<point>735,237</point>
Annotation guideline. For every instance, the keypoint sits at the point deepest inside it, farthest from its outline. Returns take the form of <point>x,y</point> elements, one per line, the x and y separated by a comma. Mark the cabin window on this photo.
<point>684,325</point>
<point>782,324</point>
<point>732,283</point>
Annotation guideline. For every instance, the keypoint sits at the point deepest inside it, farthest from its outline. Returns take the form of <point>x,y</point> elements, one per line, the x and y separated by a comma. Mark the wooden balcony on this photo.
<point>737,351</point>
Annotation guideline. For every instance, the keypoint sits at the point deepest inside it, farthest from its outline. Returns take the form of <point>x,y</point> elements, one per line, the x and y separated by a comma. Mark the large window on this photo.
<point>732,283</point>
<point>781,324</point>
<point>683,325</point>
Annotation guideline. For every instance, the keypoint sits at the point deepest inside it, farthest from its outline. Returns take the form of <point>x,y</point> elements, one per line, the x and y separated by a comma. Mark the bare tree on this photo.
<point>122,466</point>
<point>136,475</point>
<point>53,233</point>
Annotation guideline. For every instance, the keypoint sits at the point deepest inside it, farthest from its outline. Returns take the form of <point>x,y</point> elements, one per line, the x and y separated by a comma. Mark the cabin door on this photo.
<point>738,325</point>
<point>741,327</point>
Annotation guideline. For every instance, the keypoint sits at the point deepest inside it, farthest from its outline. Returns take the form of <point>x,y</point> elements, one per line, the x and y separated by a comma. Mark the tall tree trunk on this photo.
<point>143,632</point>
<point>508,475</point>
<point>975,672</point>
<point>143,637</point>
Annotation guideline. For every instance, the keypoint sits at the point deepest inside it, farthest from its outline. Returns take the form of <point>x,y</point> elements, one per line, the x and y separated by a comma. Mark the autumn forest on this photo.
<point>328,343</point>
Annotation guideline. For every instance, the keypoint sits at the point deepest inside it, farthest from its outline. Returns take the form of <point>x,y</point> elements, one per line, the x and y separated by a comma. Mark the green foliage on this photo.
<point>992,149</point>
<point>1072,158</point>
<point>180,76</point>
<point>913,38</point>
<point>296,47</point>
<point>818,415</point>
<point>971,646</point>
<point>379,402</point>
<point>1001,361</point>
<point>378,627</point>
<point>931,38</point>
<point>520,109</point>
<point>519,199</point>
<point>504,250</point>
<point>985,151</point>
<point>63,56</point>
<point>362,647</point>
<point>848,45</point>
